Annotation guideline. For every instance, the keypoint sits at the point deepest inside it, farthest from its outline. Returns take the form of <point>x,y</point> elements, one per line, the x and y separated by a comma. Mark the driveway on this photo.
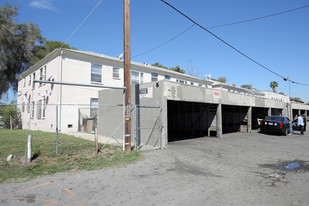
<point>239,169</point>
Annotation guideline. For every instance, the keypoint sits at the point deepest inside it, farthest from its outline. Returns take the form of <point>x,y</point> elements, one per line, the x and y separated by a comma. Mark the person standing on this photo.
<point>300,124</point>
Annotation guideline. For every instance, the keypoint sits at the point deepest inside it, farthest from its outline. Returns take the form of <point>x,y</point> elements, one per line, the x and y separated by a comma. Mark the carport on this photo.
<point>234,118</point>
<point>187,120</point>
<point>258,113</point>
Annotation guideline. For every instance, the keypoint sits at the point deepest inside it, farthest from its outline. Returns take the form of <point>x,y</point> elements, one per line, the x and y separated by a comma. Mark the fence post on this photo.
<point>96,141</point>
<point>29,148</point>
<point>160,129</point>
<point>136,128</point>
<point>56,129</point>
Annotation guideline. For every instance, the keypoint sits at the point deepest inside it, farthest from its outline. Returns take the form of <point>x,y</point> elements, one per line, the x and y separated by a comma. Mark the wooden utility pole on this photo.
<point>127,75</point>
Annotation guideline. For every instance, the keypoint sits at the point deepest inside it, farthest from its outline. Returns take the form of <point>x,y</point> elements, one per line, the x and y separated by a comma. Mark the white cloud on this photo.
<point>42,4</point>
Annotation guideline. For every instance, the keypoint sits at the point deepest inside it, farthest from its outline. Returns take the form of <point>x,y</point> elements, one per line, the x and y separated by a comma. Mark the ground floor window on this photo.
<point>93,107</point>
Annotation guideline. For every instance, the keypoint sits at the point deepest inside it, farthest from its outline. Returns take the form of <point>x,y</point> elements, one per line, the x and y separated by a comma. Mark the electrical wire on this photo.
<point>258,18</point>
<point>162,44</point>
<point>81,24</point>
<point>229,45</point>
<point>222,25</point>
<point>71,35</point>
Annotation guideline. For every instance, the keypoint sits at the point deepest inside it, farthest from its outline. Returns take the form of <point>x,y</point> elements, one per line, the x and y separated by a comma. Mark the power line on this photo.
<point>258,18</point>
<point>164,42</point>
<point>222,25</point>
<point>71,35</point>
<point>229,45</point>
<point>81,24</point>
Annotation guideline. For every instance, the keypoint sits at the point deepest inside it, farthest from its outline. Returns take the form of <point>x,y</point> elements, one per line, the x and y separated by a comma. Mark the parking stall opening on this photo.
<point>187,120</point>
<point>258,114</point>
<point>234,119</point>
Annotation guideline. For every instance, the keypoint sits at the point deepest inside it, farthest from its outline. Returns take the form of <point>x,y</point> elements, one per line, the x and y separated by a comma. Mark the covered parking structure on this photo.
<point>191,111</point>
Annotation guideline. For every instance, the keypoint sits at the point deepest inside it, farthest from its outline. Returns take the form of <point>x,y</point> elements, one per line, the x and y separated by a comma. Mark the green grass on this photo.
<point>73,154</point>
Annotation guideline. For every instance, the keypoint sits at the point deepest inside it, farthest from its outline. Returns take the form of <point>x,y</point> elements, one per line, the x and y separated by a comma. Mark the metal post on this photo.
<point>96,141</point>
<point>56,129</point>
<point>136,128</point>
<point>29,148</point>
<point>160,128</point>
<point>123,119</point>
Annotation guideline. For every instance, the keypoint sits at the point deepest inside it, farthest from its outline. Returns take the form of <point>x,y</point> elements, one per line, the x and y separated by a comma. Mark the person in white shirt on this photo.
<point>300,124</point>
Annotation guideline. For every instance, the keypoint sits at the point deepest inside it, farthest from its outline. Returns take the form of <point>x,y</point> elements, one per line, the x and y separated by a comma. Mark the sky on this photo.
<point>279,43</point>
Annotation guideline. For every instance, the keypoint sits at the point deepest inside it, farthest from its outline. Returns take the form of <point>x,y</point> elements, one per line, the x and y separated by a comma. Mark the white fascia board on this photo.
<point>39,64</point>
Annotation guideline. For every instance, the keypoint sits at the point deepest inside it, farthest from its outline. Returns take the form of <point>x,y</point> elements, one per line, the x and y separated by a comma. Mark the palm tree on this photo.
<point>274,86</point>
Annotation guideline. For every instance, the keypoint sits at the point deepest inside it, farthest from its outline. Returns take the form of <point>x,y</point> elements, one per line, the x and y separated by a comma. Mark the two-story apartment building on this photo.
<point>39,100</point>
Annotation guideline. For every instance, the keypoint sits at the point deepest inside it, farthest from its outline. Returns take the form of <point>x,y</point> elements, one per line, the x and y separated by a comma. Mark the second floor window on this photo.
<point>167,77</point>
<point>154,77</point>
<point>116,73</point>
<point>134,78</point>
<point>33,84</point>
<point>96,73</point>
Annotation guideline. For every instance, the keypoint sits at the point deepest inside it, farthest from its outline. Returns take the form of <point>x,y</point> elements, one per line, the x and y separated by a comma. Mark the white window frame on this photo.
<point>32,110</point>
<point>43,108</point>
<point>116,73</point>
<point>94,107</point>
<point>141,78</point>
<point>154,77</point>
<point>133,79</point>
<point>33,78</point>
<point>96,73</point>
<point>42,74</point>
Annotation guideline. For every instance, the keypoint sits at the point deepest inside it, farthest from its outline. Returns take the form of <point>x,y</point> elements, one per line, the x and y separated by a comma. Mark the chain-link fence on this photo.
<point>59,129</point>
<point>148,127</point>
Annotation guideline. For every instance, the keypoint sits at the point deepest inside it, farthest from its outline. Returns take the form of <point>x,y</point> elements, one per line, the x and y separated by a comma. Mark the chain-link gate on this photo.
<point>148,133</point>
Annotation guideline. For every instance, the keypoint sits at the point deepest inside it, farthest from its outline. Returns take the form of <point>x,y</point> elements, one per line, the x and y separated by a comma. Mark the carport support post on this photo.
<point>219,120</point>
<point>269,111</point>
<point>249,120</point>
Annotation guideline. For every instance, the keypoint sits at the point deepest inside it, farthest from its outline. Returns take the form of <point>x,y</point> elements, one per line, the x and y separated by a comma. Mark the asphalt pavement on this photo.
<point>238,169</point>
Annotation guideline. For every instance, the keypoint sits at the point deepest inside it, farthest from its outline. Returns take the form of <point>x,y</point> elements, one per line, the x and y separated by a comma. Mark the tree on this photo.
<point>19,44</point>
<point>246,86</point>
<point>157,64</point>
<point>222,79</point>
<point>281,93</point>
<point>274,86</point>
<point>177,69</point>
<point>50,46</point>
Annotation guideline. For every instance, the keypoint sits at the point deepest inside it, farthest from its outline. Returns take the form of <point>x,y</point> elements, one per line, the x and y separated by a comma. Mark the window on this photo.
<point>134,78</point>
<point>96,73</point>
<point>24,82</point>
<point>154,77</point>
<point>33,84</point>
<point>29,80</point>
<point>200,84</point>
<point>28,104</point>
<point>38,109</point>
<point>116,73</point>
<point>192,83</point>
<point>32,110</point>
<point>167,77</point>
<point>93,107</point>
<point>142,78</point>
<point>23,107</point>
<point>43,74</point>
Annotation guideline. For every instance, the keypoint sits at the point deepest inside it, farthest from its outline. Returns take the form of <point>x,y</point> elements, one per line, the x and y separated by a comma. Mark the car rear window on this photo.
<point>279,119</point>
